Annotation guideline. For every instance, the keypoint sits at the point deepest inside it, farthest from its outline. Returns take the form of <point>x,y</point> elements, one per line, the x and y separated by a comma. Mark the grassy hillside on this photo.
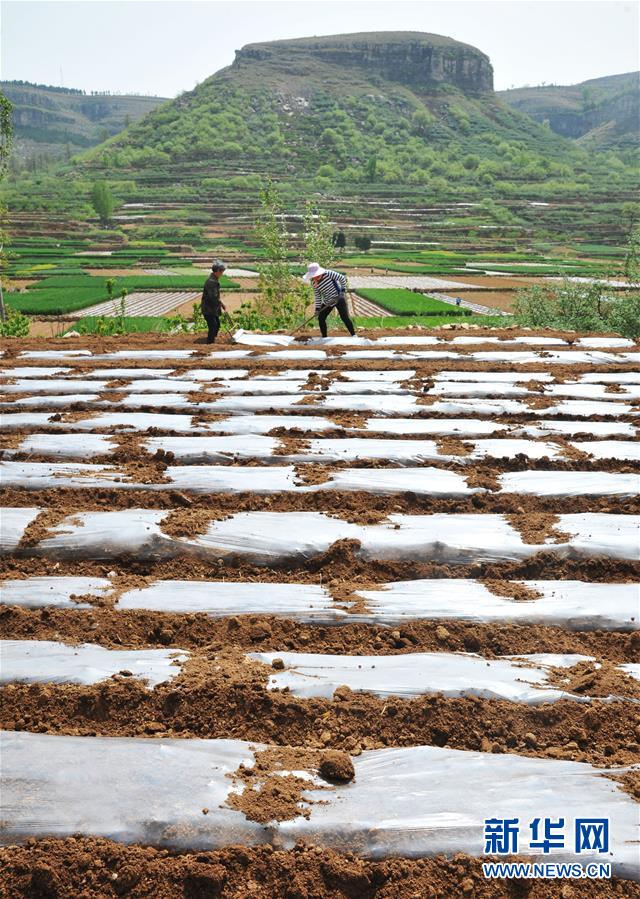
<point>55,121</point>
<point>397,135</point>
<point>599,114</point>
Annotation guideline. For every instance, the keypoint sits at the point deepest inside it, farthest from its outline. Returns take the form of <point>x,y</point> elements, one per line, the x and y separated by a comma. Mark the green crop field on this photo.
<point>58,295</point>
<point>401,301</point>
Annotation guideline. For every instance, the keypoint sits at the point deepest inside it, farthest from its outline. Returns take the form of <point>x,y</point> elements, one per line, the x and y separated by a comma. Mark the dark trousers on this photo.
<point>213,323</point>
<point>343,312</point>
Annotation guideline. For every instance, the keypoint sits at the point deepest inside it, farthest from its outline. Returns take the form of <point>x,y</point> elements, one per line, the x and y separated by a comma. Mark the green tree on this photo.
<point>282,298</point>
<point>318,237</point>
<point>371,169</point>
<point>102,201</point>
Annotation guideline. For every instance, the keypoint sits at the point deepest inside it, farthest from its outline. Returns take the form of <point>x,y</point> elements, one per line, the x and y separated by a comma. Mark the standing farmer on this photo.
<point>211,303</point>
<point>329,290</point>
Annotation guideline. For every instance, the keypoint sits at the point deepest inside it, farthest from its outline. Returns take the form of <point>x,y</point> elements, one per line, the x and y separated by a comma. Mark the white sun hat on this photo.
<point>314,270</point>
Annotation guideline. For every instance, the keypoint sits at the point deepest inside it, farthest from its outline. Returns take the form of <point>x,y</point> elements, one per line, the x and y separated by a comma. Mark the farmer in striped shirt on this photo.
<point>330,292</point>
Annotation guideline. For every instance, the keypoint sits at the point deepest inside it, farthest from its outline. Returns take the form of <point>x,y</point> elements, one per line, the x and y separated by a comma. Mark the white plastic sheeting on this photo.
<point>13,523</point>
<point>231,479</point>
<point>464,427</point>
<point>632,669</point>
<point>516,679</point>
<point>616,377</point>
<point>270,537</point>
<point>575,605</point>
<point>248,338</point>
<point>506,389</point>
<point>569,428</point>
<point>54,385</point>
<point>570,483</point>
<point>414,802</point>
<point>46,661</point>
<point>604,341</point>
<point>610,449</point>
<point>31,371</point>
<point>66,446</point>
<point>47,400</point>
<point>141,421</point>
<point>302,602</point>
<point>500,377</point>
<point>52,592</point>
<point>216,449</point>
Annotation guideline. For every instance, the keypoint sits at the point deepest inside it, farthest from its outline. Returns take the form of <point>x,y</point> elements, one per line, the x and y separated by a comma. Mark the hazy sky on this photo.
<point>163,47</point>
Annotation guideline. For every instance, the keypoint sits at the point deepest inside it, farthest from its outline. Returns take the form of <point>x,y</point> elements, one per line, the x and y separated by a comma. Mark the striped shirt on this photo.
<point>328,290</point>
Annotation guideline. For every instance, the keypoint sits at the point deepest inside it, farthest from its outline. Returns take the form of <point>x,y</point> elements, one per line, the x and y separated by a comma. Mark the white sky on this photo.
<point>163,47</point>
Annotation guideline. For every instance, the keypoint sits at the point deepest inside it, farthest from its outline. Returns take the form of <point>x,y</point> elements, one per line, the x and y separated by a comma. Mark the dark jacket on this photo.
<point>210,303</point>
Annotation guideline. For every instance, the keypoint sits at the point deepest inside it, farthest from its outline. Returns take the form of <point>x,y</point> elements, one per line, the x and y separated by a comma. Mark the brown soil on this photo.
<point>88,868</point>
<point>269,792</point>
<point>452,446</point>
<point>42,527</point>
<point>190,522</point>
<point>312,473</point>
<point>596,679</point>
<point>512,590</point>
<point>536,528</point>
<point>601,733</point>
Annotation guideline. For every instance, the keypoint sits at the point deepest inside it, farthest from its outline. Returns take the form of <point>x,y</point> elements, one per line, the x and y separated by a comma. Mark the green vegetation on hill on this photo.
<point>600,114</point>
<point>54,122</point>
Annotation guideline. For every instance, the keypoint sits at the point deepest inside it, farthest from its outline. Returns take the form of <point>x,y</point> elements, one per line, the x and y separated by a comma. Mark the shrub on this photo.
<point>578,307</point>
<point>15,325</point>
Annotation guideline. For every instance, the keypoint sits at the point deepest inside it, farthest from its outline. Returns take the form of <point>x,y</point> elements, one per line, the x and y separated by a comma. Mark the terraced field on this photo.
<point>295,617</point>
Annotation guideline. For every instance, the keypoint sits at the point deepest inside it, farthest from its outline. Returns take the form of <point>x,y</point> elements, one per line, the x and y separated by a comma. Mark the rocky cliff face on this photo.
<point>420,61</point>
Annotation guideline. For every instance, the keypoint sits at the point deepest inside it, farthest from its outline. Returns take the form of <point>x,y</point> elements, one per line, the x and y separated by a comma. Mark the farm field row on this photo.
<point>286,590</point>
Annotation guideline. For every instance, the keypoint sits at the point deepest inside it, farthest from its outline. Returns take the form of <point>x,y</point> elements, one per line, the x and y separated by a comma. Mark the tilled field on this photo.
<point>337,602</point>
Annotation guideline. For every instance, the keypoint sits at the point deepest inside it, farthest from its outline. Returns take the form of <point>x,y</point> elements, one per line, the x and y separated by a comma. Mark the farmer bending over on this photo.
<point>211,303</point>
<point>329,290</point>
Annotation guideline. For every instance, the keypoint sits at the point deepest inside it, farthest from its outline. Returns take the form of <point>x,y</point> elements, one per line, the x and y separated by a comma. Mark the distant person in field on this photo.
<point>211,303</point>
<point>330,292</point>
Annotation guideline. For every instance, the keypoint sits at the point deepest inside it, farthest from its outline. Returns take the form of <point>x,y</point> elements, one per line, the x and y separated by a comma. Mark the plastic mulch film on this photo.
<point>574,605</point>
<point>236,479</point>
<point>249,338</point>
<point>272,537</point>
<point>632,669</point>
<point>47,400</point>
<point>509,389</point>
<point>522,679</point>
<point>53,354</point>
<point>267,537</point>
<point>46,661</point>
<point>54,385</point>
<point>53,592</point>
<point>13,523</point>
<point>610,449</point>
<point>570,428</point>
<point>141,421</point>
<point>616,377</point>
<point>604,341</point>
<point>216,449</point>
<point>570,483</point>
<point>414,802</point>
<point>39,371</point>
<point>65,446</point>
<point>301,602</point>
